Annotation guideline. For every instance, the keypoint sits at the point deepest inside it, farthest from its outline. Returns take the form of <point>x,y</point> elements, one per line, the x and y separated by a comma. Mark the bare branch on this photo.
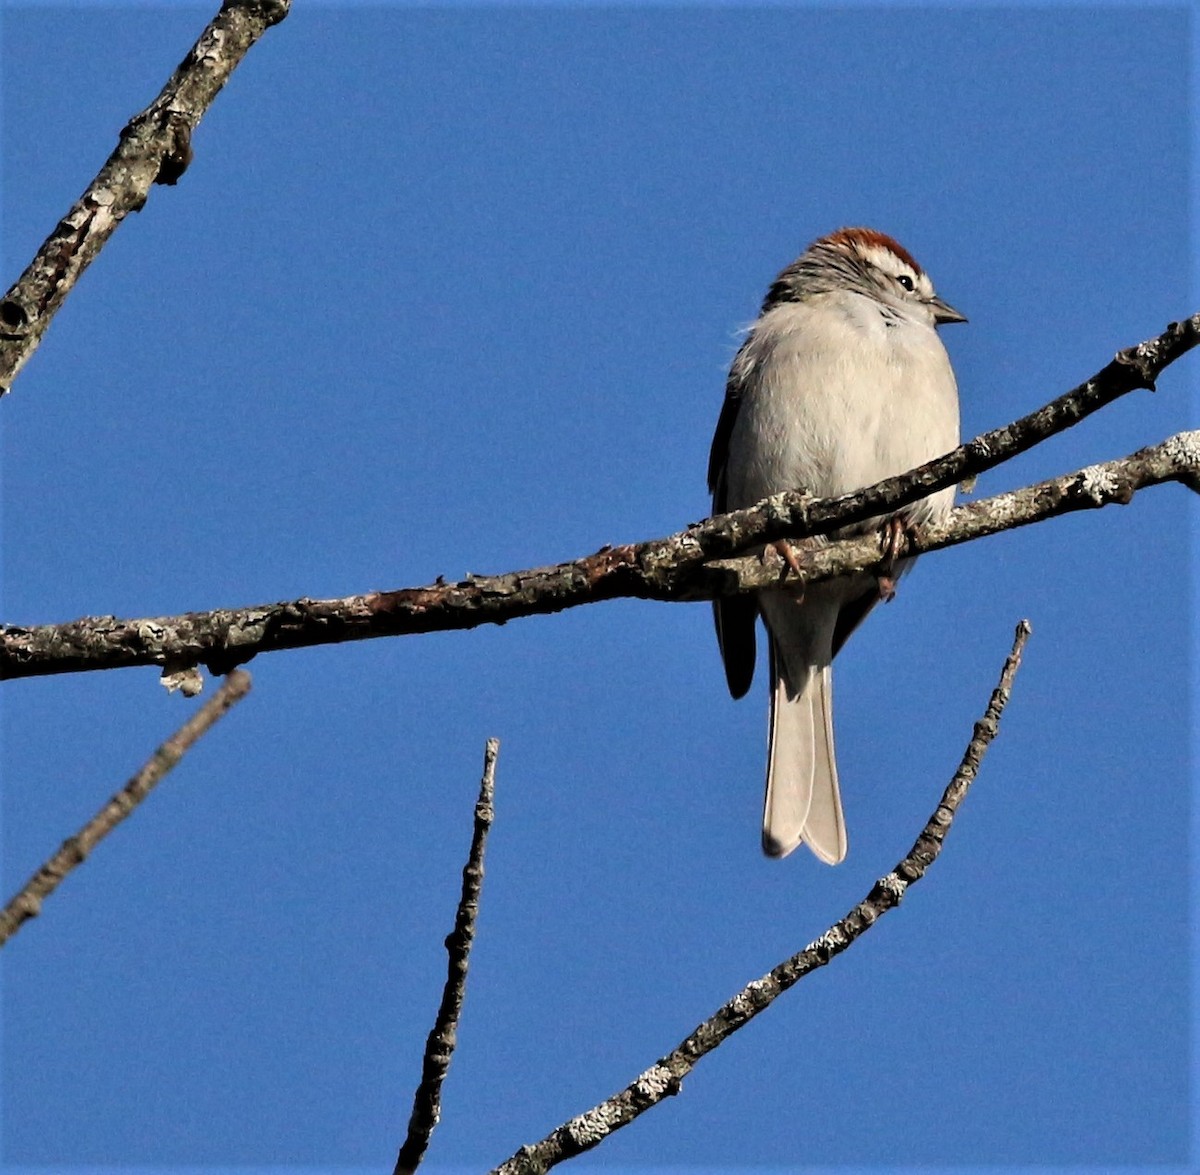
<point>154,148</point>
<point>439,1048</point>
<point>661,569</point>
<point>1177,459</point>
<point>665,1078</point>
<point>28,903</point>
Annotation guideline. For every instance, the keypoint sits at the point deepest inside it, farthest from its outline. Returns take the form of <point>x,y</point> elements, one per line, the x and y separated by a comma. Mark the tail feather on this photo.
<point>790,766</point>
<point>803,802</point>
<point>825,828</point>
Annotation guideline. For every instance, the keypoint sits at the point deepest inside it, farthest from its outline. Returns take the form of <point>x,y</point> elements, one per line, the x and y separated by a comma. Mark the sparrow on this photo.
<point>842,381</point>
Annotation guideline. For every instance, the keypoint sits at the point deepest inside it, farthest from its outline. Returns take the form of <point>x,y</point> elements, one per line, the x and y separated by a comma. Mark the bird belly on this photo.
<point>840,408</point>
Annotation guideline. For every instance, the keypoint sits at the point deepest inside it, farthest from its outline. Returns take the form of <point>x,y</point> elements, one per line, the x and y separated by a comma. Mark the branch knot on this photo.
<point>893,887</point>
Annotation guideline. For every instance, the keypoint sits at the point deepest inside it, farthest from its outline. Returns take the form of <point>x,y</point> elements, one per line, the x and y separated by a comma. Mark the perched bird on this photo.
<point>841,382</point>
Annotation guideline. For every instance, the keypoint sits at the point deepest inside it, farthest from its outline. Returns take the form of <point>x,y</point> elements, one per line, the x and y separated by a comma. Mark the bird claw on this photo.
<point>895,534</point>
<point>784,549</point>
<point>893,539</point>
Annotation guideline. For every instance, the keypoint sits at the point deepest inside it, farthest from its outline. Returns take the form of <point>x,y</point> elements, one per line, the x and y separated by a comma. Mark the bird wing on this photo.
<point>718,454</point>
<point>733,616</point>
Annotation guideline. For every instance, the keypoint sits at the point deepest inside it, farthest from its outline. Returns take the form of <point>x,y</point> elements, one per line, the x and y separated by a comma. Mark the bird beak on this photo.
<point>944,312</point>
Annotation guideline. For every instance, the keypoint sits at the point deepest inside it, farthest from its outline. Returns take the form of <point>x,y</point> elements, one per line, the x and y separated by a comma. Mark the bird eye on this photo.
<point>906,282</point>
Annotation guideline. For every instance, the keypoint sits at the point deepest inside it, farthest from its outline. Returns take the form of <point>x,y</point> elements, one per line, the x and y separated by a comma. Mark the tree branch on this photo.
<point>154,148</point>
<point>661,569</point>
<point>74,851</point>
<point>665,1078</point>
<point>797,515</point>
<point>1177,459</point>
<point>439,1048</point>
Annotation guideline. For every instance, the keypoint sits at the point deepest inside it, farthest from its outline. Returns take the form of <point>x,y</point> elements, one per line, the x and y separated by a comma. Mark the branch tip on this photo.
<point>439,1047</point>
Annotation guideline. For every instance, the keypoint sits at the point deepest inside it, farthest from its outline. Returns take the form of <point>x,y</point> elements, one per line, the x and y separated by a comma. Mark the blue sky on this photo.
<point>454,289</point>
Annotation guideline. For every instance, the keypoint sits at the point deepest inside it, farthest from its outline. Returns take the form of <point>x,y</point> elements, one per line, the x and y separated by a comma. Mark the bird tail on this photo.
<point>803,803</point>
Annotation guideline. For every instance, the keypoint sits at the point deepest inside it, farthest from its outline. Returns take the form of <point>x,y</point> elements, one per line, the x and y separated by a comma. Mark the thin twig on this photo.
<point>439,1048</point>
<point>154,148</point>
<point>28,903</point>
<point>665,1078</point>
<point>226,637</point>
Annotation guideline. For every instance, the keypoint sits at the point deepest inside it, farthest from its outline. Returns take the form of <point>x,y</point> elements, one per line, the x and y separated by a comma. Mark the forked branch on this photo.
<point>1177,459</point>
<point>661,569</point>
